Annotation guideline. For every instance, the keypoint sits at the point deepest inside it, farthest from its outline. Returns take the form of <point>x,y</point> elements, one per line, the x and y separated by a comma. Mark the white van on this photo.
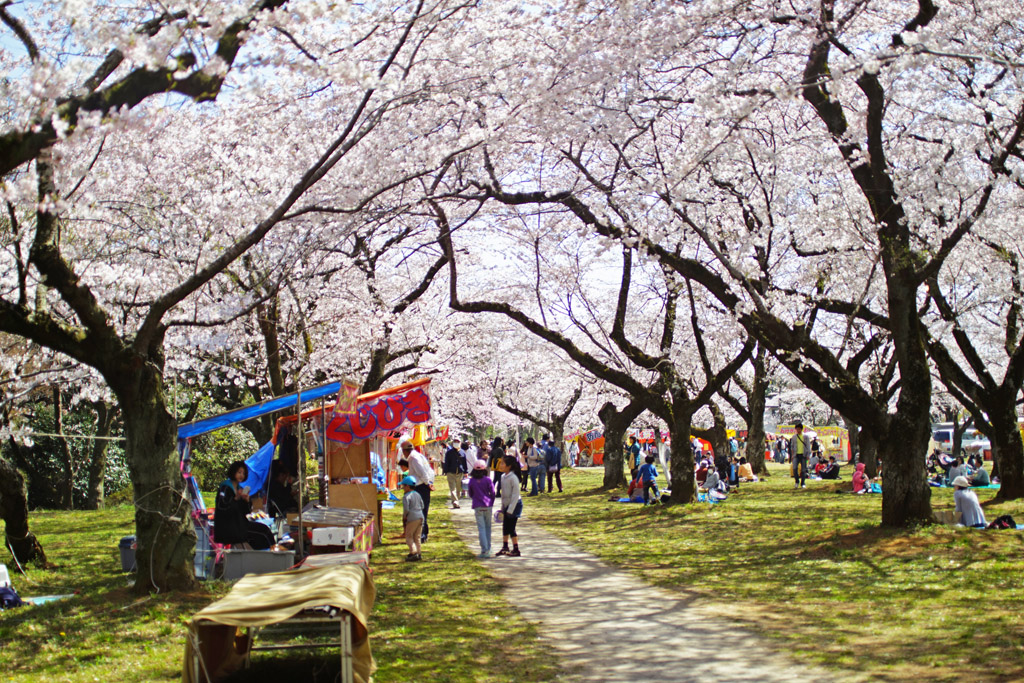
<point>973,441</point>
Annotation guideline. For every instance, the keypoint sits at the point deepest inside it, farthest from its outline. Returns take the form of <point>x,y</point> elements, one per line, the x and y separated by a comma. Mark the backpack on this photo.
<point>554,458</point>
<point>9,598</point>
<point>1002,522</point>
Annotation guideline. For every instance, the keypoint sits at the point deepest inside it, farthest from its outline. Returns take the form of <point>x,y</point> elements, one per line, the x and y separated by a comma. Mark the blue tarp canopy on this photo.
<point>187,431</point>
<point>258,465</point>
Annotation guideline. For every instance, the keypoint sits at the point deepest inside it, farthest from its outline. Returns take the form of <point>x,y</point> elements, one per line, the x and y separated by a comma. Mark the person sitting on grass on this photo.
<point>746,471</point>
<point>968,510</point>
<point>957,470</point>
<point>412,518</point>
<point>648,475</point>
<point>831,470</point>
<point>980,477</point>
<point>713,482</point>
<point>702,472</point>
<point>860,480</point>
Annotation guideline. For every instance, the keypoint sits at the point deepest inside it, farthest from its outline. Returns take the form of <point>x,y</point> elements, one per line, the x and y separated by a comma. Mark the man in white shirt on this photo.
<point>423,473</point>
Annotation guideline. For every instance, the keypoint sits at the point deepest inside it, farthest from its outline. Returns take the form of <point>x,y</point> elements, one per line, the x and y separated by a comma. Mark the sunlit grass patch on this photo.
<point>442,619</point>
<point>813,571</point>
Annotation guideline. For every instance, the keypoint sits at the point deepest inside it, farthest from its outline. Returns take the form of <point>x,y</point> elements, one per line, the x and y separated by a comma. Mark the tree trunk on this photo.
<point>616,423</point>
<point>756,405</point>
<point>14,511</point>
<point>853,432</point>
<point>718,437</point>
<point>682,482</point>
<point>869,453</point>
<point>1006,441</point>
<point>906,496</point>
<point>66,486</point>
<point>164,536</point>
<point>98,463</point>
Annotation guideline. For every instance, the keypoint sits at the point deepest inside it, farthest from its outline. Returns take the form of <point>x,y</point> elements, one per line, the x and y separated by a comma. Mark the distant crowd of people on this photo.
<point>500,473</point>
<point>497,472</point>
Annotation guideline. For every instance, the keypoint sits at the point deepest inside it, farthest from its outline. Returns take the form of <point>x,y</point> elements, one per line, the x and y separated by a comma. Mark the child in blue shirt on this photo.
<point>649,475</point>
<point>412,518</point>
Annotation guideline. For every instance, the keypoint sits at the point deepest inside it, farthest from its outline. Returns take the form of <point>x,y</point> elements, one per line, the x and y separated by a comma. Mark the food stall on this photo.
<point>354,440</point>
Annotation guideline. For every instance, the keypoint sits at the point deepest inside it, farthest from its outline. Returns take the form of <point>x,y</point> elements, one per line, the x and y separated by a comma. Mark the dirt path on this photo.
<point>607,625</point>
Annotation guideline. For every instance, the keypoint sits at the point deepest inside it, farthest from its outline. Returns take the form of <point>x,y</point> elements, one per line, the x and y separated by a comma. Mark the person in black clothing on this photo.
<point>280,498</point>
<point>497,454</point>
<point>722,465</point>
<point>831,470</point>
<point>453,467</point>
<point>553,457</point>
<point>288,453</point>
<point>230,525</point>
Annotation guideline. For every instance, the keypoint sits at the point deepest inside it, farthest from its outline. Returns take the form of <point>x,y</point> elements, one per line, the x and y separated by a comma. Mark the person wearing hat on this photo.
<point>423,474</point>
<point>413,516</point>
<point>968,510</point>
<point>799,452</point>
<point>481,493</point>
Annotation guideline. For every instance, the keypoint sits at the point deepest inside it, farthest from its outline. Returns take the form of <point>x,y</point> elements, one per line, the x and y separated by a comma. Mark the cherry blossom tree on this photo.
<point>827,180</point>
<point>644,366</point>
<point>123,211</point>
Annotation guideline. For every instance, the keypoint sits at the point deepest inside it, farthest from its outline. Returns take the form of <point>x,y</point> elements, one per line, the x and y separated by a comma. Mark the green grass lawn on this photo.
<point>441,619</point>
<point>812,571</point>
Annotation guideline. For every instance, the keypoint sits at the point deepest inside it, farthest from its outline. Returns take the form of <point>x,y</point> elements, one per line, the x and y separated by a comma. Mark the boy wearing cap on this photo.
<point>412,518</point>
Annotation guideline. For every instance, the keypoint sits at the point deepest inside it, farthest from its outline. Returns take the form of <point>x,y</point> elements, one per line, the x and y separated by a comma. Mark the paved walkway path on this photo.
<point>608,625</point>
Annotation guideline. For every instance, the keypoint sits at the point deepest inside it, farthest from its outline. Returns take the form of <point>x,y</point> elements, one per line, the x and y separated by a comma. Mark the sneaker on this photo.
<point>455,506</point>
<point>530,495</point>
<point>411,557</point>
<point>514,553</point>
<point>803,486</point>
<point>483,556</point>
<point>503,551</point>
<point>796,485</point>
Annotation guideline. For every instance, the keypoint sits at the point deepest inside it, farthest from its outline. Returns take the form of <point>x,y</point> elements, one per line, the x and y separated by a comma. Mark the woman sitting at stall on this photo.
<point>230,525</point>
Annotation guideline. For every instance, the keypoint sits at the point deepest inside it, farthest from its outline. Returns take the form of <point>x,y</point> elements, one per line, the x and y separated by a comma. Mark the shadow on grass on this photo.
<point>813,570</point>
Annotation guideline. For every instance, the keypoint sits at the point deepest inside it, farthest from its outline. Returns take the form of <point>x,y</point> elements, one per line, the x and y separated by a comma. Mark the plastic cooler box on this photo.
<point>238,563</point>
<point>333,535</point>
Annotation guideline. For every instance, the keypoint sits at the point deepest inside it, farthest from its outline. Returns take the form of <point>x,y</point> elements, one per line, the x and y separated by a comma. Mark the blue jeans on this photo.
<point>537,474</point>
<point>483,528</point>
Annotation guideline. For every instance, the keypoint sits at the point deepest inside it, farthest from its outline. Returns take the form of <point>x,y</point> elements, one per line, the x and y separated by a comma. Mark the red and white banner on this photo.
<point>382,412</point>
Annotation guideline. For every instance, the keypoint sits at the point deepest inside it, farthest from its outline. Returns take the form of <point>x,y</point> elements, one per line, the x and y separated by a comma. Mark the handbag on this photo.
<point>498,515</point>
